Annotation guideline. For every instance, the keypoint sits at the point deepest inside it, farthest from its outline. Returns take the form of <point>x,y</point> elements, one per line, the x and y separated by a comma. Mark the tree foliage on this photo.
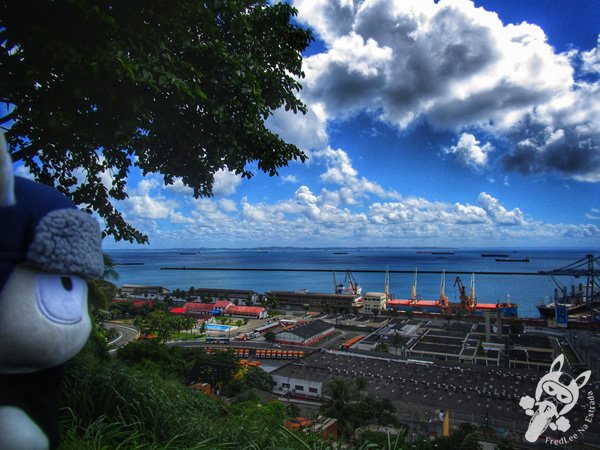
<point>353,409</point>
<point>217,368</point>
<point>153,356</point>
<point>270,336</point>
<point>102,291</point>
<point>180,88</point>
<point>242,389</point>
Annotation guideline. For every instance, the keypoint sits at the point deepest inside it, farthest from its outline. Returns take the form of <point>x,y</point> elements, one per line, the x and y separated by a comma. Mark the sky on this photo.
<point>451,123</point>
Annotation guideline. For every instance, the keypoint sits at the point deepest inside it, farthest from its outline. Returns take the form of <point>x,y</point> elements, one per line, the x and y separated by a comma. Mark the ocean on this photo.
<point>144,267</point>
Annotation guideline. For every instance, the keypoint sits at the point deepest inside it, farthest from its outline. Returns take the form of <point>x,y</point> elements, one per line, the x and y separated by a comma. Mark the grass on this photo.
<point>108,405</point>
<point>376,439</point>
<point>184,336</point>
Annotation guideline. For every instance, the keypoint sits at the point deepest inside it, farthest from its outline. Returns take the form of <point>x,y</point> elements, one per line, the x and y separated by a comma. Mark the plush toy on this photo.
<point>48,248</point>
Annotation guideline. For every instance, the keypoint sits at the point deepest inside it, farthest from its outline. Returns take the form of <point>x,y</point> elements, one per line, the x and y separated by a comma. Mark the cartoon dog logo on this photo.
<point>556,394</point>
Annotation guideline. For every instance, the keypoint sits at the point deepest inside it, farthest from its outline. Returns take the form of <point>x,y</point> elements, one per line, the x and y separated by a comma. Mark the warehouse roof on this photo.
<point>309,329</point>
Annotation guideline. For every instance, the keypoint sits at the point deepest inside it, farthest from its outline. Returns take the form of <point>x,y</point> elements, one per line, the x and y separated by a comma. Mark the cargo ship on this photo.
<point>349,286</point>
<point>524,259</point>
<point>468,304</point>
<point>581,300</point>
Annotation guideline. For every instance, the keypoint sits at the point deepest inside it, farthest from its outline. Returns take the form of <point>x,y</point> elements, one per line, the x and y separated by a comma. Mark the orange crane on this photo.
<point>443,300</point>
<point>413,292</point>
<point>356,289</point>
<point>350,285</point>
<point>469,301</point>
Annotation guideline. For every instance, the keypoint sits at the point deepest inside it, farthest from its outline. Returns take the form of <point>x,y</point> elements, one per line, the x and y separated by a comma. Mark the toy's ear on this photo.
<point>559,361</point>
<point>583,378</point>
<point>7,179</point>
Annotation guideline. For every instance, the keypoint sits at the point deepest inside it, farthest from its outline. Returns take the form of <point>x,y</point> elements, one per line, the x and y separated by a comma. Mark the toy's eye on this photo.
<point>67,283</point>
<point>62,299</point>
<point>549,389</point>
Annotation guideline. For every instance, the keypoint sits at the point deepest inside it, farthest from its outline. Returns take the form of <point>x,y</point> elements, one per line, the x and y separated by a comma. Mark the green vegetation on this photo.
<point>102,291</point>
<point>465,437</point>
<point>244,388</point>
<point>382,440</point>
<point>353,409</point>
<point>129,309</point>
<point>230,321</point>
<point>396,342</point>
<point>163,325</point>
<point>382,347</point>
<point>139,401</point>
<point>112,93</point>
<point>269,336</point>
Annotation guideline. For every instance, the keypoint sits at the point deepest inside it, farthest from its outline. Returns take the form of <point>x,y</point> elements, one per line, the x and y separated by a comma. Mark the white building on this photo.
<point>374,301</point>
<point>284,385</point>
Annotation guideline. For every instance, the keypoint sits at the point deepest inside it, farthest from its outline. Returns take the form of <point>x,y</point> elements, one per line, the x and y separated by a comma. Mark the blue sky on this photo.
<point>447,123</point>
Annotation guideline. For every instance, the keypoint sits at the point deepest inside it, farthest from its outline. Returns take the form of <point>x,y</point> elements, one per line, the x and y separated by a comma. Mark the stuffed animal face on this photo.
<point>48,248</point>
<point>43,319</point>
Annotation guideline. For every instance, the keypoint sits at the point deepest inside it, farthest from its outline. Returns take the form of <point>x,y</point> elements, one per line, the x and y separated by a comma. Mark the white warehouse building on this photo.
<point>284,385</point>
<point>374,301</point>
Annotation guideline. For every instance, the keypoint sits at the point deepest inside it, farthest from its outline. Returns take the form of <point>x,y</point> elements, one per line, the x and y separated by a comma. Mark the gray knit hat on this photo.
<point>41,227</point>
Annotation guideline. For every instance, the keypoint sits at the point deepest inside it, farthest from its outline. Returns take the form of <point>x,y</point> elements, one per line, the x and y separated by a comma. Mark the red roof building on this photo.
<point>325,426</point>
<point>222,305</point>
<point>201,309</point>
<point>252,312</point>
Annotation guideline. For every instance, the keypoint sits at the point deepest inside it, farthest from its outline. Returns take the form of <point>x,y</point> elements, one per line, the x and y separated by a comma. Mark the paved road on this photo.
<point>126,333</point>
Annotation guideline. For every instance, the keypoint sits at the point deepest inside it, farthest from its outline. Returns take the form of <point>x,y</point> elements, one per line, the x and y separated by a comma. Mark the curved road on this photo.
<point>126,333</point>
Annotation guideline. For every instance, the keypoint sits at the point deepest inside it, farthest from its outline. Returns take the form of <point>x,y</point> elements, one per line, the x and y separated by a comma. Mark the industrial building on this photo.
<point>245,297</point>
<point>461,342</point>
<point>374,302</point>
<point>305,334</point>
<point>315,301</point>
<point>140,290</point>
<point>419,387</point>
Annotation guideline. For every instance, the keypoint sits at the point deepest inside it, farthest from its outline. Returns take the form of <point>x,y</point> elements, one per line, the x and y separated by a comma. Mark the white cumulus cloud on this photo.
<point>457,66</point>
<point>341,172</point>
<point>226,182</point>
<point>499,213</point>
<point>470,150</point>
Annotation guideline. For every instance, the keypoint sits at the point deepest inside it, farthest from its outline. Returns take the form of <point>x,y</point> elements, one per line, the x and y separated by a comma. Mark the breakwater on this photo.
<point>316,270</point>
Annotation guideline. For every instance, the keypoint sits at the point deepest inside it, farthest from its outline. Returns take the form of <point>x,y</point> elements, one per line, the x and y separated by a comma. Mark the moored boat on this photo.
<point>581,299</point>
<point>349,286</point>
<point>468,304</point>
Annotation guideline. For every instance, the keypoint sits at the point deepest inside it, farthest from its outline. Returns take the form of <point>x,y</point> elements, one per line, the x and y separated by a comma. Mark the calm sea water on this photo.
<point>526,290</point>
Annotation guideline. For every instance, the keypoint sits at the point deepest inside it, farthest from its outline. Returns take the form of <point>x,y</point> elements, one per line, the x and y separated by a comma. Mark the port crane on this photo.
<point>443,300</point>
<point>585,267</point>
<point>469,301</point>
<point>413,292</point>
<point>387,283</point>
<point>350,285</point>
